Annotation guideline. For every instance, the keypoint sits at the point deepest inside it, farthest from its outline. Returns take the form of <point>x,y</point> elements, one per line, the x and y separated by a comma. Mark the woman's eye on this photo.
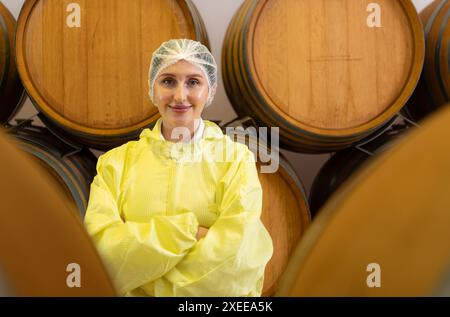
<point>193,82</point>
<point>168,82</point>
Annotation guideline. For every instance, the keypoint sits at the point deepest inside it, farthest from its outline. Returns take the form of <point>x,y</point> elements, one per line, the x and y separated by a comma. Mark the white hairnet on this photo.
<point>191,51</point>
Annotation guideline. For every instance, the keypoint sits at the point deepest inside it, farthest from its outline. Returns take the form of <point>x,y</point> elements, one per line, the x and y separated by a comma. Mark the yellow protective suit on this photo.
<point>146,204</point>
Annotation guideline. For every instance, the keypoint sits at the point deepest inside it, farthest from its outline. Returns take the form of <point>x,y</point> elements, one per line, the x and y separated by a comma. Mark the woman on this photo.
<point>177,213</point>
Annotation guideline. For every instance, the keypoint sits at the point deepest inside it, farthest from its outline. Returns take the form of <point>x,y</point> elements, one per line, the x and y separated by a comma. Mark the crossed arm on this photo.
<point>227,259</point>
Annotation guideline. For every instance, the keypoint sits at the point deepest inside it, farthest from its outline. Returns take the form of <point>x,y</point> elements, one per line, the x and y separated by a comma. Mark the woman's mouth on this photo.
<point>180,108</point>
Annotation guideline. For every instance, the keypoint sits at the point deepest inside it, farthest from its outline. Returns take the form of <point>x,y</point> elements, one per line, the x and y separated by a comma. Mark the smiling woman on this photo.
<point>180,92</point>
<point>169,225</point>
<point>182,85</point>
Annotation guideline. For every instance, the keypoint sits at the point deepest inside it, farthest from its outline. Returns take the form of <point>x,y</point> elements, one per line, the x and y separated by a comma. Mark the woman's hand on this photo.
<point>202,231</point>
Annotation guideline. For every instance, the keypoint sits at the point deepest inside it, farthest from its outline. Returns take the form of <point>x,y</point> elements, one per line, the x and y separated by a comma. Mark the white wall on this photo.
<point>217,14</point>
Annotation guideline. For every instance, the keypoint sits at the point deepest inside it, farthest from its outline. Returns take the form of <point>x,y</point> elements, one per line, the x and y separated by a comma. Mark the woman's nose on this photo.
<point>180,94</point>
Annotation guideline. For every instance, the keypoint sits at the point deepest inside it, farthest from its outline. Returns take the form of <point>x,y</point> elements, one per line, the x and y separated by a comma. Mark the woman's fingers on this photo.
<point>202,231</point>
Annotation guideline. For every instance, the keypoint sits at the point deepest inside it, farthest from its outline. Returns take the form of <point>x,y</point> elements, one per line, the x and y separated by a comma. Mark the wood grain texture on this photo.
<point>403,227</point>
<point>286,217</point>
<point>43,235</point>
<point>317,70</point>
<point>92,80</point>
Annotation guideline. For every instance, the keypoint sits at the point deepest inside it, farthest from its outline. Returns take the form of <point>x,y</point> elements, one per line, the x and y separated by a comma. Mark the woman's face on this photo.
<point>180,93</point>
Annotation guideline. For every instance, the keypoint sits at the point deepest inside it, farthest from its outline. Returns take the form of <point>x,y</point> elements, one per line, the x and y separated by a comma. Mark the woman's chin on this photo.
<point>180,120</point>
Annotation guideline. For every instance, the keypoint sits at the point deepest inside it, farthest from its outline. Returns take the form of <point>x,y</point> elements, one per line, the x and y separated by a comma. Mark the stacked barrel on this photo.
<point>383,233</point>
<point>431,94</point>
<point>328,74</point>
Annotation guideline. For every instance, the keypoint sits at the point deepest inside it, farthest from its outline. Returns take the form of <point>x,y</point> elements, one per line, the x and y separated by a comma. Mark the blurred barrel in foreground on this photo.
<point>41,240</point>
<point>328,73</point>
<point>343,164</point>
<point>390,224</point>
<point>73,170</point>
<point>85,63</point>
<point>285,211</point>
<point>433,90</point>
<point>11,89</point>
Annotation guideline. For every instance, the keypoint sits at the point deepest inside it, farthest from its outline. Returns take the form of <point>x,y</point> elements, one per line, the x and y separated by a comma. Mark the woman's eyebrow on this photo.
<point>174,75</point>
<point>195,75</point>
<point>167,74</point>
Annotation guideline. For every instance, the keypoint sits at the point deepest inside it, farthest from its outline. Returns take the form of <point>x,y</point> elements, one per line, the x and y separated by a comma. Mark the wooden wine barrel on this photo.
<point>322,71</point>
<point>11,89</point>
<point>433,90</point>
<point>40,236</point>
<point>91,81</point>
<point>394,214</point>
<point>73,170</point>
<point>344,164</point>
<point>285,211</point>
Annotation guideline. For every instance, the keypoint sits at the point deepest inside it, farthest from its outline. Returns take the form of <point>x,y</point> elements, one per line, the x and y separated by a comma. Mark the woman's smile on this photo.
<point>180,108</point>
